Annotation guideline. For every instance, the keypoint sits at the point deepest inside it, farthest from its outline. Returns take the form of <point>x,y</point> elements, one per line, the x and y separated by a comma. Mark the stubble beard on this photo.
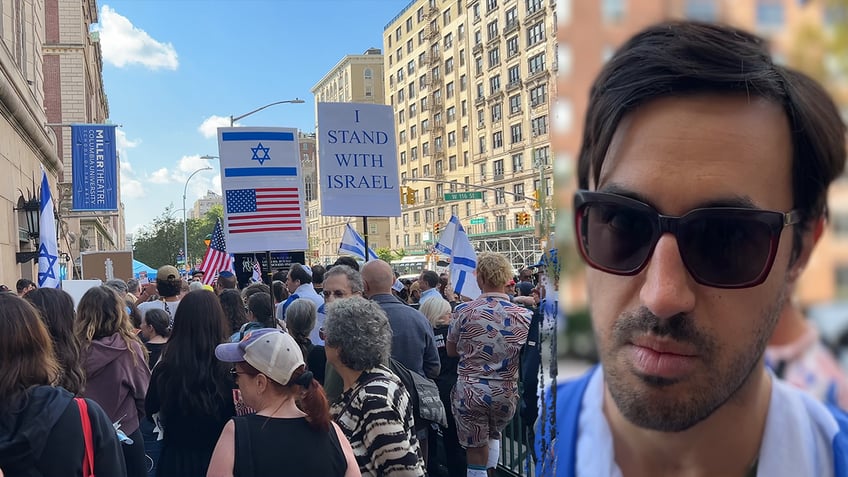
<point>660,404</point>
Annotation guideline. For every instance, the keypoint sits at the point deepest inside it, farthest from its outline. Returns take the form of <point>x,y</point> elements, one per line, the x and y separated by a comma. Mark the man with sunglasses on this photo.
<point>703,178</point>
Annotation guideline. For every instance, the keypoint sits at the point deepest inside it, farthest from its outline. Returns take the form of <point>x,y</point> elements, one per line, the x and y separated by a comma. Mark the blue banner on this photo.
<point>95,167</point>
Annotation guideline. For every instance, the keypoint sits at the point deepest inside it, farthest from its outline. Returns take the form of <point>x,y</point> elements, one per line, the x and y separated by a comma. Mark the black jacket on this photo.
<point>41,435</point>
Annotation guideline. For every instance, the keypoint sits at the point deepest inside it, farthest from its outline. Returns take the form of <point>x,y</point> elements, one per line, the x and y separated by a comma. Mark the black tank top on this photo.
<point>285,447</point>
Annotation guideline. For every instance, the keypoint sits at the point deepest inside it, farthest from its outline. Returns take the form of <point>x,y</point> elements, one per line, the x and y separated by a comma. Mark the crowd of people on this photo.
<point>194,380</point>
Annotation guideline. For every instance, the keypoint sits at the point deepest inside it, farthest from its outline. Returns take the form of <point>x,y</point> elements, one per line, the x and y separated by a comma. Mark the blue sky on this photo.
<point>174,70</point>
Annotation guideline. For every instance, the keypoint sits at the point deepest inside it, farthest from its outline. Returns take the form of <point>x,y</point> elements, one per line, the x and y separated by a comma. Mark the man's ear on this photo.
<point>809,239</point>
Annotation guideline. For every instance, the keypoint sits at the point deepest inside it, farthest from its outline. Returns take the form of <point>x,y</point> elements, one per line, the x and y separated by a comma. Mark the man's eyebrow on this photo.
<point>740,201</point>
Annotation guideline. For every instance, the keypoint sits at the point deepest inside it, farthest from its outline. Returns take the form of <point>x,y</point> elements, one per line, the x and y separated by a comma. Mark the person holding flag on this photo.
<point>48,250</point>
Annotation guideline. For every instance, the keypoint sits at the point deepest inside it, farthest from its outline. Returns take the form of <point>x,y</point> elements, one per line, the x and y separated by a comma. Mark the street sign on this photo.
<point>464,195</point>
<point>478,220</point>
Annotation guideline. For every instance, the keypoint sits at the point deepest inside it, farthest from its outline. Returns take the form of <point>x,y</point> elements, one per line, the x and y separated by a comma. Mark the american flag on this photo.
<point>216,258</point>
<point>267,209</point>
<point>257,272</point>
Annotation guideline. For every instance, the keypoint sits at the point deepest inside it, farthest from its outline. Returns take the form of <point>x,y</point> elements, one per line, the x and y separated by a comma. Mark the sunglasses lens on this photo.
<point>616,237</point>
<point>725,248</point>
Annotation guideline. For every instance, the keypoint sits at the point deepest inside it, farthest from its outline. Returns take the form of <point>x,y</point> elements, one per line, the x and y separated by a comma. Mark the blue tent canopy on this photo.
<point>142,267</point>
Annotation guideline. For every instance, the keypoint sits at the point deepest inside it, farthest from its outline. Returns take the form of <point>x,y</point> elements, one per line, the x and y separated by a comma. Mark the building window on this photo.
<point>465,159</point>
<point>403,157</point>
<point>413,110</point>
<point>538,95</point>
<point>515,103</point>
<point>511,18</point>
<point>478,65</point>
<point>539,125</point>
<point>413,132</point>
<point>452,163</point>
<point>497,139</point>
<point>427,195</point>
<point>494,57</point>
<point>463,83</point>
<point>515,133</point>
<point>533,6</point>
<point>536,33</point>
<point>463,107</point>
<point>416,217</point>
<point>449,90</point>
<point>518,162</point>
<point>498,169</point>
<point>512,46</point>
<point>518,190</point>
<point>497,112</point>
<point>491,5</point>
<point>536,64</point>
<point>410,67</point>
<point>448,41</point>
<point>420,37</point>
<point>612,11</point>
<point>451,114</point>
<point>482,144</point>
<point>494,84</point>
<point>492,30</point>
<point>464,133</point>
<point>514,74</point>
<point>449,66</point>
<point>541,156</point>
<point>401,116</point>
<point>402,137</point>
<point>500,197</point>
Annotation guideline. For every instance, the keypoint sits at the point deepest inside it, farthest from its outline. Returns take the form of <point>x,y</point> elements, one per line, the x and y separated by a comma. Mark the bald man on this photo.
<point>412,336</point>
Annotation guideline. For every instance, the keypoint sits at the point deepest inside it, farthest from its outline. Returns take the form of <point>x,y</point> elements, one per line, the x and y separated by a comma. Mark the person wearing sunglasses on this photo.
<point>703,177</point>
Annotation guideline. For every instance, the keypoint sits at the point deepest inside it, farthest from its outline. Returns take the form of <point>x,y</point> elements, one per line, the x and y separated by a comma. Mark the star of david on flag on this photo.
<point>260,157</point>
<point>48,250</point>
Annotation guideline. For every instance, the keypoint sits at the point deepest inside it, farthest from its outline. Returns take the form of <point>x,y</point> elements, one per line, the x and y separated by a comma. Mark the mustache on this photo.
<point>680,327</point>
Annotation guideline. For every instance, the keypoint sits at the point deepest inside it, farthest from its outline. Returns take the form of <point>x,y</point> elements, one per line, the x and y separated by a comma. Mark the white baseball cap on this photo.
<point>272,352</point>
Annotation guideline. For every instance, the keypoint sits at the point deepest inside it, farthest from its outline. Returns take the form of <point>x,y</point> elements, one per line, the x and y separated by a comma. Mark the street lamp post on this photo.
<point>288,101</point>
<point>233,120</point>
<point>185,228</point>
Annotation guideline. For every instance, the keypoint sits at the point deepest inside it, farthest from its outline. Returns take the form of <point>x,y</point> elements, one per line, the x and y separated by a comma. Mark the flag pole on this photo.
<point>365,235</point>
<point>270,272</point>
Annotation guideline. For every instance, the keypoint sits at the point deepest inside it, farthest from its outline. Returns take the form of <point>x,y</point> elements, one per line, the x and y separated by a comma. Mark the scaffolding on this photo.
<point>521,248</point>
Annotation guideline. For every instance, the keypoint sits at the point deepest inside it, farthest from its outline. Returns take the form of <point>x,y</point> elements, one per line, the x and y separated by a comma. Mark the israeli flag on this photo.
<point>454,242</point>
<point>48,250</point>
<point>354,244</point>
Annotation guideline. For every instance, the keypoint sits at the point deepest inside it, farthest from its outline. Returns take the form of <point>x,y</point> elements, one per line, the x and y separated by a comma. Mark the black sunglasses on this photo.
<point>721,247</point>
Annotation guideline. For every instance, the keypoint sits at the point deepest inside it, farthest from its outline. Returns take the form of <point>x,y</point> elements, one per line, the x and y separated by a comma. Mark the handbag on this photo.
<point>88,455</point>
<point>423,393</point>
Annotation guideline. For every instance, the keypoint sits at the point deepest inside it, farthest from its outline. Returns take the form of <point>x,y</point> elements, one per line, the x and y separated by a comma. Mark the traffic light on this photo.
<point>536,199</point>
<point>522,218</point>
<point>518,218</point>
<point>408,196</point>
<point>437,228</point>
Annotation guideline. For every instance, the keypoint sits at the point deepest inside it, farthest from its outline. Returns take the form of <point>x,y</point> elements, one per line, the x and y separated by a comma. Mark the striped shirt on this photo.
<point>376,417</point>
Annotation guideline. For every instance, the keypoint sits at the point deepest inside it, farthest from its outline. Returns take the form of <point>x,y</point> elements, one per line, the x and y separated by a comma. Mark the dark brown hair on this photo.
<point>689,58</point>
<point>26,349</point>
<point>56,308</point>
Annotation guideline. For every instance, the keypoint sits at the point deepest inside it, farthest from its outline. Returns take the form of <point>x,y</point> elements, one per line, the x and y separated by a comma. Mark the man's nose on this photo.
<point>668,289</point>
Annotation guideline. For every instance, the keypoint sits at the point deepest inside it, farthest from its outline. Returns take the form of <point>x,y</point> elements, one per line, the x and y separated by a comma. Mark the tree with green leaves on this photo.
<point>159,243</point>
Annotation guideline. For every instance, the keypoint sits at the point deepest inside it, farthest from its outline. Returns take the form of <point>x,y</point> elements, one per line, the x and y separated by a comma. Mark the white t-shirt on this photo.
<point>170,307</point>
<point>798,438</point>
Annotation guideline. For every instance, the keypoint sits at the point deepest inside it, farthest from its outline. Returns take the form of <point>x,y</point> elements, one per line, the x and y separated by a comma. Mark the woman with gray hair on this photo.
<point>374,411</point>
<point>300,320</point>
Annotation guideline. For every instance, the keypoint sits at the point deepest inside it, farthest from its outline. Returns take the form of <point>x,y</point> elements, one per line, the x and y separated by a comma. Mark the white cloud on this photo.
<point>131,188</point>
<point>123,44</point>
<point>161,176</point>
<point>209,127</point>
